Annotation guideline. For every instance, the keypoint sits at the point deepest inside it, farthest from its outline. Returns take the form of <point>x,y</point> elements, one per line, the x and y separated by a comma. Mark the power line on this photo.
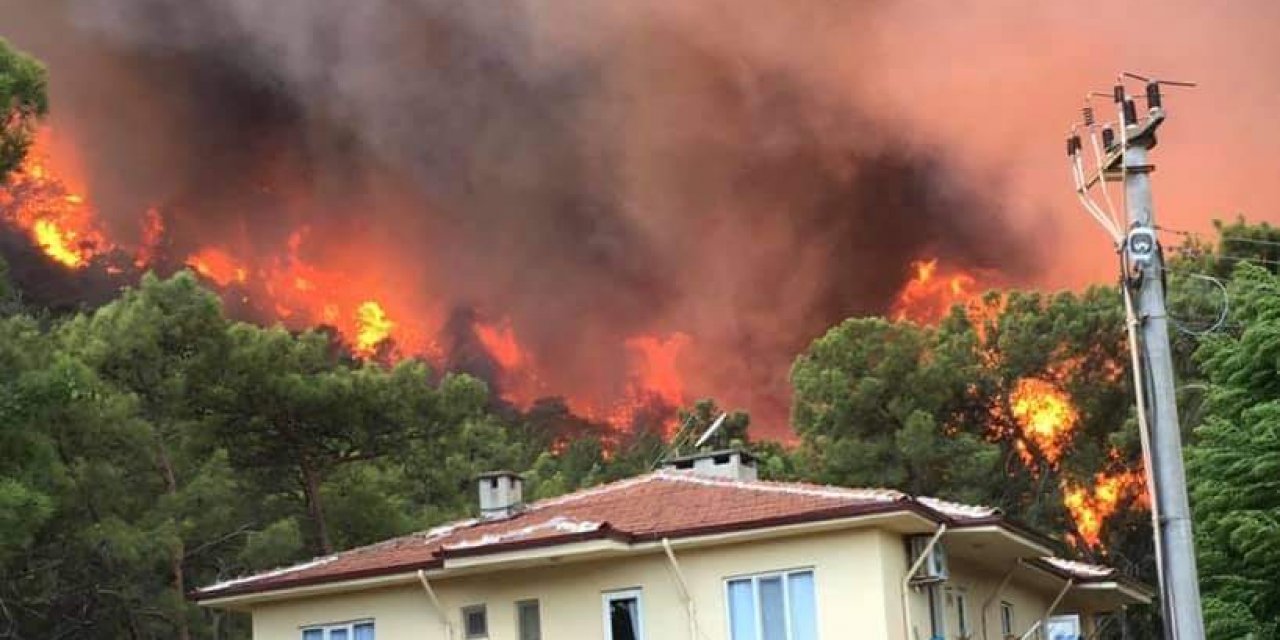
<point>1222,239</point>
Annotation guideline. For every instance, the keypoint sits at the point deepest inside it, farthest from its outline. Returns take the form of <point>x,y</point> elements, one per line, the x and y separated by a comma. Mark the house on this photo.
<point>700,549</point>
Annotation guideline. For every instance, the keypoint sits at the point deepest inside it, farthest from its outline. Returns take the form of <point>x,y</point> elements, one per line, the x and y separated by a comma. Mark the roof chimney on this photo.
<point>500,494</point>
<point>734,464</point>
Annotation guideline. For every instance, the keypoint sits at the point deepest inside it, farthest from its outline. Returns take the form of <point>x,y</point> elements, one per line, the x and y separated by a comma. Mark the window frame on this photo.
<point>349,626</point>
<point>755,578</point>
<point>472,608</point>
<point>608,597</point>
<point>1007,621</point>
<point>962,613</point>
<point>935,601</point>
<point>519,605</point>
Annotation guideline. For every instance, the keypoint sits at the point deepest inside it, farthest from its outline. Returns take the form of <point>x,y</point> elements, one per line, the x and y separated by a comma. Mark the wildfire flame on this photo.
<point>1091,507</point>
<point>652,365</point>
<point>930,294</point>
<point>500,342</point>
<point>657,370</point>
<point>342,288</point>
<point>218,266</point>
<point>1046,417</point>
<point>38,201</point>
<point>374,327</point>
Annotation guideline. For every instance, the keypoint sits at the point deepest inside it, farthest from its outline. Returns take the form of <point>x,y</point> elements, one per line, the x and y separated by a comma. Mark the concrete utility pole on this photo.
<point>1126,160</point>
<point>1181,588</point>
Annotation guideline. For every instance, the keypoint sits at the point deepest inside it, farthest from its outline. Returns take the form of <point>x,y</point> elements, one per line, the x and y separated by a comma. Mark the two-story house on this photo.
<point>700,549</point>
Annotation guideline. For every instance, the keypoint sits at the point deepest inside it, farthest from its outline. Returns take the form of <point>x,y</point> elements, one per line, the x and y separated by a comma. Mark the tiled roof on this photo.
<point>664,504</point>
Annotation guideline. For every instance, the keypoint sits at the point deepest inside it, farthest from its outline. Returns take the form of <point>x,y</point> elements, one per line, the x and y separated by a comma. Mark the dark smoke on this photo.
<point>590,172</point>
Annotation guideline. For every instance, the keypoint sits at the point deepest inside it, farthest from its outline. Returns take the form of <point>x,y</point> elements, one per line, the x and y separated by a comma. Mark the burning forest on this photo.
<point>282,277</point>
<point>613,251</point>
<point>511,209</point>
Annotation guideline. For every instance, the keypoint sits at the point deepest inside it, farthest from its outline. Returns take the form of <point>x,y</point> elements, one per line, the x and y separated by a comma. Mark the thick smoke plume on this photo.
<point>586,172</point>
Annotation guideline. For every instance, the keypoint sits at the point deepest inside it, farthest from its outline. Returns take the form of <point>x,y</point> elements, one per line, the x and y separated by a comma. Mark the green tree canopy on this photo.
<point>1234,464</point>
<point>23,100</point>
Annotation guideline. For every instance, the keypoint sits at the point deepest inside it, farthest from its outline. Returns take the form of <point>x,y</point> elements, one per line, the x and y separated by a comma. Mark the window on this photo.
<point>362,630</point>
<point>1064,628</point>
<point>937,619</point>
<point>529,620</point>
<point>774,606</point>
<point>962,615</point>
<point>623,615</point>
<point>475,623</point>
<point>1006,618</point>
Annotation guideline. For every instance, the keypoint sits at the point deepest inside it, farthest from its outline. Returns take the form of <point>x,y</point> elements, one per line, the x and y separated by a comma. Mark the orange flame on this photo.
<point>500,342</point>
<point>1046,417</point>
<point>656,381</point>
<point>36,199</point>
<point>218,266</point>
<point>373,327</point>
<point>656,370</point>
<point>929,295</point>
<point>655,389</point>
<point>1090,508</point>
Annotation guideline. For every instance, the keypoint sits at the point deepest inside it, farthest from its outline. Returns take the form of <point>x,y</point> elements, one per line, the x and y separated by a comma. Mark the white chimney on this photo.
<point>501,494</point>
<point>734,464</point>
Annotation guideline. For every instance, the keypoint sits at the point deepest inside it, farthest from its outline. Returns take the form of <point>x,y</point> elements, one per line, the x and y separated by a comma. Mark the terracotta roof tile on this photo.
<point>649,507</point>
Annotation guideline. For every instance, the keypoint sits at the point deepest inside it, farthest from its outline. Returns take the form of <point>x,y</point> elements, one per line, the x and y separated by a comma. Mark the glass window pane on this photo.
<point>313,634</point>
<point>475,622</point>
<point>624,619</point>
<point>773,615</point>
<point>338,634</point>
<point>529,619</point>
<point>364,631</point>
<point>742,610</point>
<point>804,614</point>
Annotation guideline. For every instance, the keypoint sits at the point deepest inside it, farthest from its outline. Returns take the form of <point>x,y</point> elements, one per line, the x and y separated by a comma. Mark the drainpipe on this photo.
<point>684,589</point>
<point>906,580</point>
<point>431,593</point>
<point>1049,612</point>
<point>991,599</point>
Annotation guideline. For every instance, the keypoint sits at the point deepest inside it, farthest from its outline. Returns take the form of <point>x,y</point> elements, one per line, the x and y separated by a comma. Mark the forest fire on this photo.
<point>288,286</point>
<point>1046,417</point>
<point>307,282</point>
<point>218,266</point>
<point>930,294</point>
<point>58,220</point>
<point>500,341</point>
<point>1090,508</point>
<point>373,327</point>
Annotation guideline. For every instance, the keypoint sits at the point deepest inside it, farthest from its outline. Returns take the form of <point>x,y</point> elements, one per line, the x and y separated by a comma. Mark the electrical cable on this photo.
<point>1082,192</point>
<point>1222,313</point>
<point>1102,184</point>
<point>1144,433</point>
<point>1242,239</point>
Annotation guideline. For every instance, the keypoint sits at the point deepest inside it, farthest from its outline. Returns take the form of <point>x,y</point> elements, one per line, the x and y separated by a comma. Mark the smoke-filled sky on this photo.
<point>743,172</point>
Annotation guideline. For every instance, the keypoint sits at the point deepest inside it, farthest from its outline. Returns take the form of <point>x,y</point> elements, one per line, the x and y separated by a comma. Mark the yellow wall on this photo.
<point>847,576</point>
<point>977,584</point>
<point>857,576</point>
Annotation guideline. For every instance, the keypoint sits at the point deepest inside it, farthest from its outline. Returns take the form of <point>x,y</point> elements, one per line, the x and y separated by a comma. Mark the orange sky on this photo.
<point>1003,79</point>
